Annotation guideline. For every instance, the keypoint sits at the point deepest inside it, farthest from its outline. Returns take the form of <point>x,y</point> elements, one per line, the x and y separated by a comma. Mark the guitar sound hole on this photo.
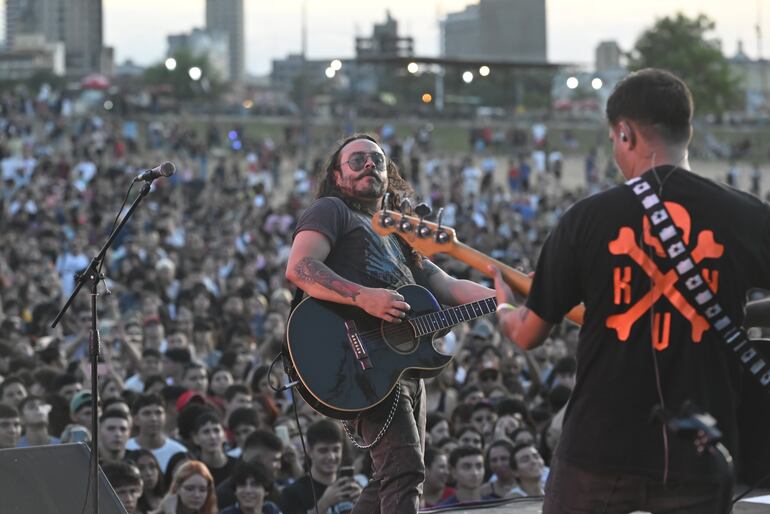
<point>399,337</point>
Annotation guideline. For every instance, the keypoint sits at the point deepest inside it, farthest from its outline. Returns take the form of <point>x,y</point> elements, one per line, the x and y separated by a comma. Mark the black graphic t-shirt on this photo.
<point>358,253</point>
<point>602,254</point>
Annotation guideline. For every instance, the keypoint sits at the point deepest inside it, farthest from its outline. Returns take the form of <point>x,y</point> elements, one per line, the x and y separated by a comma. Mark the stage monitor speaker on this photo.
<point>52,480</point>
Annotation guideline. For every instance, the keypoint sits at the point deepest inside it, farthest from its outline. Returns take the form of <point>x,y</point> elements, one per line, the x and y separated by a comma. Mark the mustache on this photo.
<point>372,174</point>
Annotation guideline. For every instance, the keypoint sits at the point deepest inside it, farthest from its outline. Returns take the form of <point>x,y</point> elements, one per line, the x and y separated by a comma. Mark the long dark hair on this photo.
<point>398,188</point>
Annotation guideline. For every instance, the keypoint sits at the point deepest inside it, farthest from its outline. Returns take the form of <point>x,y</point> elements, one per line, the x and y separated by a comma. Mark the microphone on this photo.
<point>165,169</point>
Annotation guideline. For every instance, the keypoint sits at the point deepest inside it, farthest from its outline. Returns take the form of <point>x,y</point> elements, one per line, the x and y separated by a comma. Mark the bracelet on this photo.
<point>504,305</point>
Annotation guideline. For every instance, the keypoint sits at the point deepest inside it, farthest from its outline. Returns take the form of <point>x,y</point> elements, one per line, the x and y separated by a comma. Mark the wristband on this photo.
<point>504,305</point>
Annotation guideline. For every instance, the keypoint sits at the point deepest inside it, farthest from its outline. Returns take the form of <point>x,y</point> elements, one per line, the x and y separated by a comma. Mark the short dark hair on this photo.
<point>109,402</point>
<point>114,413</point>
<point>193,365</point>
<point>205,417</point>
<point>323,431</point>
<point>431,452</point>
<point>155,379</point>
<point>9,381</point>
<point>234,389</point>
<point>28,399</point>
<point>121,473</point>
<point>252,469</point>
<point>179,355</point>
<point>433,418</point>
<point>653,98</point>
<point>463,451</point>
<point>243,416</point>
<point>265,439</point>
<point>146,400</point>
<point>6,411</point>
<point>65,379</point>
<point>150,352</point>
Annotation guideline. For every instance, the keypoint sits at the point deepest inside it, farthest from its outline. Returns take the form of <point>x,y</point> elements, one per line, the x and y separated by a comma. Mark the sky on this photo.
<point>137,29</point>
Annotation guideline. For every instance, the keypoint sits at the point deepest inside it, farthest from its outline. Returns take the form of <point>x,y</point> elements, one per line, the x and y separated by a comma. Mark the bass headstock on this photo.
<point>426,237</point>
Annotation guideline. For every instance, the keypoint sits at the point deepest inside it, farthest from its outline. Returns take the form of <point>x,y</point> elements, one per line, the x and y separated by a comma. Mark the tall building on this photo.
<point>76,23</point>
<point>226,16</point>
<point>608,55</point>
<point>202,43</point>
<point>509,30</point>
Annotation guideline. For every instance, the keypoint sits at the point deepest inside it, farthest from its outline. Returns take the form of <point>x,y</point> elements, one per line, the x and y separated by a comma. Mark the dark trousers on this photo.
<point>574,490</point>
<point>397,460</point>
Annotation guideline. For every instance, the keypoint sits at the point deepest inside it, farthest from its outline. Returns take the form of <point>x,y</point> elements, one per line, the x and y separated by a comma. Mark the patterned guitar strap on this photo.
<point>693,287</point>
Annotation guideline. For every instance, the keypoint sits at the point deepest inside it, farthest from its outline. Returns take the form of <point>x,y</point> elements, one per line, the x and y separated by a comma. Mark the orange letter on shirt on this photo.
<point>660,335</point>
<point>622,285</point>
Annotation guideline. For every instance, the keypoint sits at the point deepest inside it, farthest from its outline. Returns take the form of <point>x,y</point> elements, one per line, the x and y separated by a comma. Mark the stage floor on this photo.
<point>535,506</point>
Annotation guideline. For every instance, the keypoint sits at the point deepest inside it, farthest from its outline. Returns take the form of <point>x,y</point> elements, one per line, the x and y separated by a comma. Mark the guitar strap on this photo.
<point>692,285</point>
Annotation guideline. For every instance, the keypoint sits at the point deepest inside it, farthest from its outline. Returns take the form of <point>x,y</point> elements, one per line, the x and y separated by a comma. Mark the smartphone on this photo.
<point>283,434</point>
<point>345,472</point>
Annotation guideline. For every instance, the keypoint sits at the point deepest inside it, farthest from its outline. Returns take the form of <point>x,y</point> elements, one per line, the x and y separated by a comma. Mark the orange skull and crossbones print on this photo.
<point>663,284</point>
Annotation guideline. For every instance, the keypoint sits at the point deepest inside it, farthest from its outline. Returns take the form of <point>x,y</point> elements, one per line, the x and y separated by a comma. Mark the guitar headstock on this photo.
<point>426,237</point>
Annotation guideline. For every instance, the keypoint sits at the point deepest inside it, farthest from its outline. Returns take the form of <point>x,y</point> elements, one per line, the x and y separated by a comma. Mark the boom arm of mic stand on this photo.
<point>93,266</point>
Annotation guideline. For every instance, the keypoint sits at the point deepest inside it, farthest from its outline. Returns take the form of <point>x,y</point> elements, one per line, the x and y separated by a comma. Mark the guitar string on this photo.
<point>404,329</point>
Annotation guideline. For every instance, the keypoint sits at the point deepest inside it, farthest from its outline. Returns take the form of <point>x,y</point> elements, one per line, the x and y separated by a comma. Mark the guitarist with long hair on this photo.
<point>336,256</point>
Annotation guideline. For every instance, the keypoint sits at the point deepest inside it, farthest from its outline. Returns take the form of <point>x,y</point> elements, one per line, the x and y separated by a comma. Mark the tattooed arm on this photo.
<point>451,291</point>
<point>306,269</point>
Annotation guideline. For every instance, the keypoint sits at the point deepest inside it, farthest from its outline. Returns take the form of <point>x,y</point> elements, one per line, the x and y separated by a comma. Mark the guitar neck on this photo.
<point>517,280</point>
<point>453,316</point>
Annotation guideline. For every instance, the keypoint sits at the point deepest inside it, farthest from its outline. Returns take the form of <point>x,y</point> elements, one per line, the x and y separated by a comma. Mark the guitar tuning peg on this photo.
<point>406,205</point>
<point>385,202</point>
<point>386,220</point>
<point>422,210</point>
<point>441,234</point>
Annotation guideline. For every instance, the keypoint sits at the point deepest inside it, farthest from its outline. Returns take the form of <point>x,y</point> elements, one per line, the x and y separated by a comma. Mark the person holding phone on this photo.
<point>335,487</point>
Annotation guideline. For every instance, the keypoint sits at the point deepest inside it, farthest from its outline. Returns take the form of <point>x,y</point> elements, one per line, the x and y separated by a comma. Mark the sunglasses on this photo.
<point>357,160</point>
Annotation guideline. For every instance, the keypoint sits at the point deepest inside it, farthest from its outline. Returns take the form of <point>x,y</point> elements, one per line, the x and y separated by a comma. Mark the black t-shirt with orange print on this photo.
<point>600,254</point>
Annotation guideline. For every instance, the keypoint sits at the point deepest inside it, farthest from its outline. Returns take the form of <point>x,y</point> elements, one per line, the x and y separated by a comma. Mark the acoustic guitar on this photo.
<point>354,361</point>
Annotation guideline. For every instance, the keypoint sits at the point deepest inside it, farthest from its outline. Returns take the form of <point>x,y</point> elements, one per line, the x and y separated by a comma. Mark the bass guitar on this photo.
<point>430,238</point>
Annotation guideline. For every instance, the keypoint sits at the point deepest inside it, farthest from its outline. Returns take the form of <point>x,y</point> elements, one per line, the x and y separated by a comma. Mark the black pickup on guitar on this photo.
<point>347,361</point>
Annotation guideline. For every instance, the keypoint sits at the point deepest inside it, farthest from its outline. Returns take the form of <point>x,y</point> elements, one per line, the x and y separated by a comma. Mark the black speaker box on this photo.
<point>52,480</point>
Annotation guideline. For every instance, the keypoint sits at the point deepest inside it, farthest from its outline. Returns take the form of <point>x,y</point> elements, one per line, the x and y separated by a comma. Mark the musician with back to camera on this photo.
<point>336,256</point>
<point>644,346</point>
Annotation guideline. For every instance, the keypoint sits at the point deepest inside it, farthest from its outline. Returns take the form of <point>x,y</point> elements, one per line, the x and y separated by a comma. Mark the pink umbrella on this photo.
<point>95,81</point>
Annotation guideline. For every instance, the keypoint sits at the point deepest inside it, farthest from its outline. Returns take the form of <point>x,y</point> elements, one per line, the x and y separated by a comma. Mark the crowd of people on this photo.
<point>194,308</point>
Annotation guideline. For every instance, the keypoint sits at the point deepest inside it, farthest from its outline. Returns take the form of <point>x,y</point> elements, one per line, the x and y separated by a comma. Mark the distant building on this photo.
<point>385,41</point>
<point>608,55</point>
<point>286,72</point>
<point>76,23</point>
<point>505,30</point>
<point>30,55</point>
<point>226,17</point>
<point>754,82</point>
<point>129,68</point>
<point>202,43</point>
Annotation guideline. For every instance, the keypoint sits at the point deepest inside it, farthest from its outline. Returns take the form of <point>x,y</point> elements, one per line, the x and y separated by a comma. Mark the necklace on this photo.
<point>665,179</point>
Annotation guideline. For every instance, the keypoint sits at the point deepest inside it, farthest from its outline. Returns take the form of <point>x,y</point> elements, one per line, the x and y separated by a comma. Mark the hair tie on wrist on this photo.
<point>504,305</point>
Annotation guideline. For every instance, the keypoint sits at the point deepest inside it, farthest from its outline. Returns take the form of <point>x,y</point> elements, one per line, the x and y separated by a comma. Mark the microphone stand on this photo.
<point>92,276</point>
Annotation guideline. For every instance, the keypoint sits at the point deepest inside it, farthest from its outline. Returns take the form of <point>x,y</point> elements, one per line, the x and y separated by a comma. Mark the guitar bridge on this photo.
<point>357,345</point>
